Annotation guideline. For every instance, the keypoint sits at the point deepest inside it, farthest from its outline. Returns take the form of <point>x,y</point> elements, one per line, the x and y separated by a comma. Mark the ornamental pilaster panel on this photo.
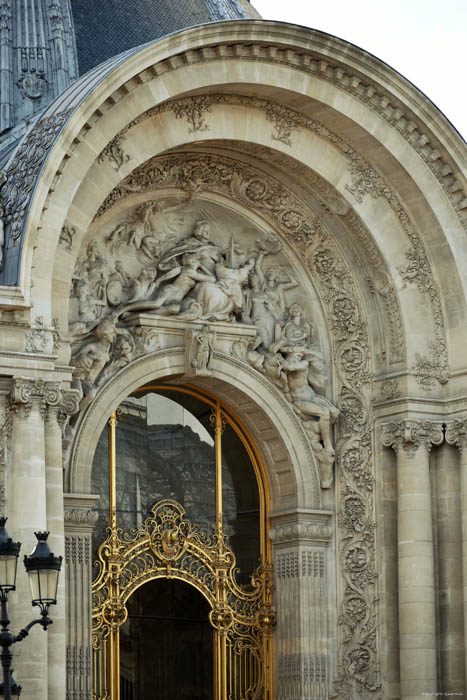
<point>300,541</point>
<point>80,518</point>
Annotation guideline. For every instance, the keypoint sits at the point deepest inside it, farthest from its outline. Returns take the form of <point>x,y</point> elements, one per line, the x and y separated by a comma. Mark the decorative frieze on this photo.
<point>311,527</point>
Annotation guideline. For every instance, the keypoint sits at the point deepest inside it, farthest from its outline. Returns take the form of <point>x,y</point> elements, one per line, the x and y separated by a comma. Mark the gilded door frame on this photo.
<point>168,545</point>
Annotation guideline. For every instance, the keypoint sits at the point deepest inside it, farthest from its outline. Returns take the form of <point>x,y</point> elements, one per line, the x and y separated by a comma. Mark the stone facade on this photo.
<point>268,213</point>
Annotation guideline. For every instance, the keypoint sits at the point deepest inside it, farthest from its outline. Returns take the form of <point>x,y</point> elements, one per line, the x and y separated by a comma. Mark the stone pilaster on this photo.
<point>57,411</point>
<point>5,435</point>
<point>456,434</point>
<point>412,441</point>
<point>27,495</point>
<point>80,519</point>
<point>300,540</point>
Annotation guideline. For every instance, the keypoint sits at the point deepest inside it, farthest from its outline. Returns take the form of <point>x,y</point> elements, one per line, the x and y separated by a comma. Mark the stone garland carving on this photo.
<point>5,437</point>
<point>389,389</point>
<point>196,173</point>
<point>358,674</point>
<point>372,95</point>
<point>284,120</point>
<point>23,171</point>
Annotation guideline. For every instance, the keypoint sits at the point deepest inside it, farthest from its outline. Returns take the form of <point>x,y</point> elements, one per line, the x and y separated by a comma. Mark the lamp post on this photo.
<point>43,569</point>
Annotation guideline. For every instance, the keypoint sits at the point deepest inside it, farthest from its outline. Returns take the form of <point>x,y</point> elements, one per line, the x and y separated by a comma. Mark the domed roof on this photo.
<point>114,26</point>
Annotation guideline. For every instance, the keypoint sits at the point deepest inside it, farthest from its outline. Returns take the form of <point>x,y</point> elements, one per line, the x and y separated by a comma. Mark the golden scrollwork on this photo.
<point>167,543</point>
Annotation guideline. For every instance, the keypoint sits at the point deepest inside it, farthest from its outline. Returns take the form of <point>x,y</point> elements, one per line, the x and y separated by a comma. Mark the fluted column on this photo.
<point>27,515</point>
<point>80,519</point>
<point>300,540</point>
<point>456,434</point>
<point>412,441</point>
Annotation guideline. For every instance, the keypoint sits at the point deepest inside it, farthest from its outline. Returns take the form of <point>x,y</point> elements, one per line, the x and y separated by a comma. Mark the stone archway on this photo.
<point>371,177</point>
<point>262,409</point>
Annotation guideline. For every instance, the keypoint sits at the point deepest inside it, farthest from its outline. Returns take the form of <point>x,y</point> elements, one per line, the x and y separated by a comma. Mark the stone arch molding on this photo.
<point>289,461</point>
<point>385,164</point>
<point>73,136</point>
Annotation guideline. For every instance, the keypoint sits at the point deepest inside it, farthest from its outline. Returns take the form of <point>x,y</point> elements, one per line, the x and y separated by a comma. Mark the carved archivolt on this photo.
<point>36,146</point>
<point>365,181</point>
<point>350,342</point>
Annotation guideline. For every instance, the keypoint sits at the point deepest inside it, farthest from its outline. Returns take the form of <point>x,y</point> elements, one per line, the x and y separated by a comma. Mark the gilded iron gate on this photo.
<point>169,545</point>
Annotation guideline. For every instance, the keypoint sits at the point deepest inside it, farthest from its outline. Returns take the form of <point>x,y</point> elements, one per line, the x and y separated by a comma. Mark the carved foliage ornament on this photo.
<point>22,173</point>
<point>358,654</point>
<point>456,433</point>
<point>409,435</point>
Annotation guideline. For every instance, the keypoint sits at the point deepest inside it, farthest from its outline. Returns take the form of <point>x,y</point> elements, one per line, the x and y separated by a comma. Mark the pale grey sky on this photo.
<point>425,40</point>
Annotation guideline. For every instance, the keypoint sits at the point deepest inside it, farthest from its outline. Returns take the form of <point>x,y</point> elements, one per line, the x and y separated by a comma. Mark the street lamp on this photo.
<point>43,569</point>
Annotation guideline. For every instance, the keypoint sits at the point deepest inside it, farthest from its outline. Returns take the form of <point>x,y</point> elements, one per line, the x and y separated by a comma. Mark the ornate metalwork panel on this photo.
<point>168,545</point>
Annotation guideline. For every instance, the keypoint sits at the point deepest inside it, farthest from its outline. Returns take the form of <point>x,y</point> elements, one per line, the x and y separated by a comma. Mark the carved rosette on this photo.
<point>410,435</point>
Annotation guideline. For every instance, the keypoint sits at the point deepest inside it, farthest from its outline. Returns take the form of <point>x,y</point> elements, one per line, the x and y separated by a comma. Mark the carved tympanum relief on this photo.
<point>160,258</point>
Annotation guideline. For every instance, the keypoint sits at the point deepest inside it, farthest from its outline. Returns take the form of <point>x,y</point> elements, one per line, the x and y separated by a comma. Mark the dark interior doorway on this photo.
<point>166,645</point>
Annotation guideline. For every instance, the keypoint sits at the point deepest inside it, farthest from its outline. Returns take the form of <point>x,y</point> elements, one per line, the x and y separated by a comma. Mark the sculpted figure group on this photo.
<point>196,279</point>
